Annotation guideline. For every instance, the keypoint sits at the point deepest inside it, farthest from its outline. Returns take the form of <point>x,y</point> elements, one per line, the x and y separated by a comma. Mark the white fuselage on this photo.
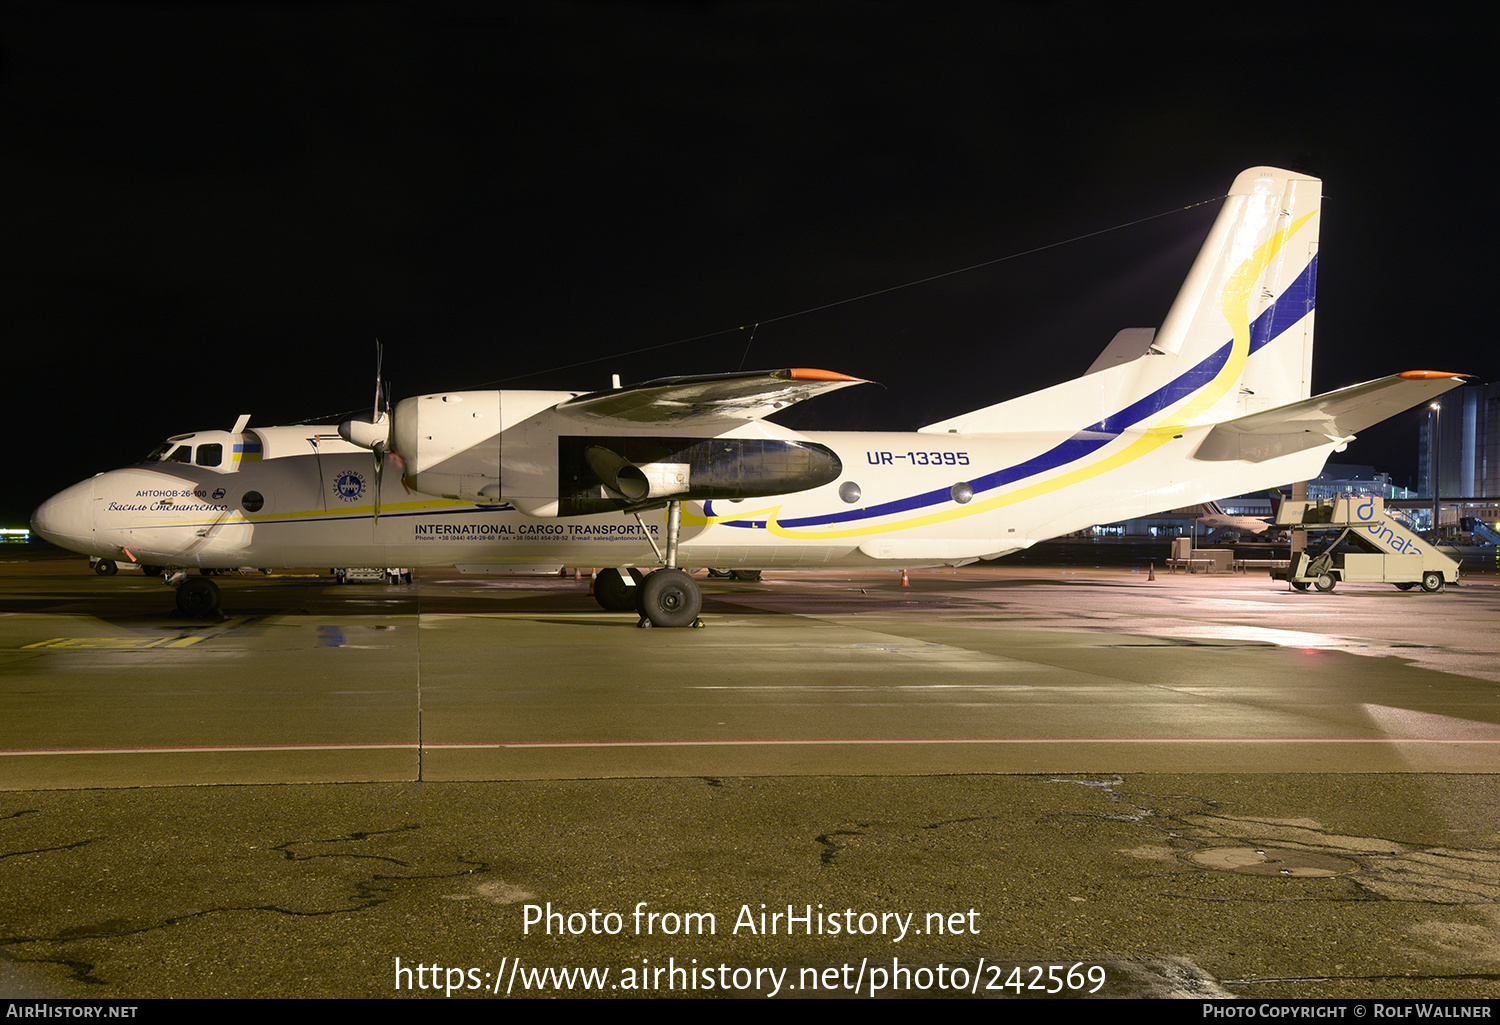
<point>917,499</point>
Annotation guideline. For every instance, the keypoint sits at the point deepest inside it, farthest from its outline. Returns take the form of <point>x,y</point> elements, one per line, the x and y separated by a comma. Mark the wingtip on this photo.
<point>810,374</point>
<point>1429,375</point>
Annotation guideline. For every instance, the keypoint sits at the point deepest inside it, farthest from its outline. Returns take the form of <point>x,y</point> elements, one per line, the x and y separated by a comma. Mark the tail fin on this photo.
<point>1238,338</point>
<point>1256,276</point>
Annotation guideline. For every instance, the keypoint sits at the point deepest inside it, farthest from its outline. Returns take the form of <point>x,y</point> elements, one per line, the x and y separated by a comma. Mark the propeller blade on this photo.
<point>379,357</point>
<point>378,451</point>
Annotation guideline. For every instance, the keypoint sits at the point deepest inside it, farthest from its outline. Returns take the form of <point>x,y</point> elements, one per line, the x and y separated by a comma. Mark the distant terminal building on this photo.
<point>1354,480</point>
<point>1458,454</point>
<point>1467,443</point>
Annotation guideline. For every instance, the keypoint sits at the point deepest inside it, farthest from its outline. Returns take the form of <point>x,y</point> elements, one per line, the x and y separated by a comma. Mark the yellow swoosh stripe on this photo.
<point>1233,302</point>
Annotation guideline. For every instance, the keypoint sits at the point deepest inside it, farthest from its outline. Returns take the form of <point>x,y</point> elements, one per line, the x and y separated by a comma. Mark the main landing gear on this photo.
<point>666,597</point>
<point>197,597</point>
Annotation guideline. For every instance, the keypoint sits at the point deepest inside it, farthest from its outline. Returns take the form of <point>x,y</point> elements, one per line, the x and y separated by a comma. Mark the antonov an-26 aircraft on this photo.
<point>686,472</point>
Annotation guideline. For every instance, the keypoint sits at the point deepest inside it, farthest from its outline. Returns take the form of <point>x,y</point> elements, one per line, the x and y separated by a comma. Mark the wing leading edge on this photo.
<point>707,399</point>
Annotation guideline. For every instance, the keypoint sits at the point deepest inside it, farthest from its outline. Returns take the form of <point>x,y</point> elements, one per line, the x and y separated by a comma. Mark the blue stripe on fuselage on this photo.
<point>1294,303</point>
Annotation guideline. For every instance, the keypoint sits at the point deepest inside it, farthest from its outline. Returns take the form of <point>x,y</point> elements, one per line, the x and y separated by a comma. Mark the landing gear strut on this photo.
<point>669,597</point>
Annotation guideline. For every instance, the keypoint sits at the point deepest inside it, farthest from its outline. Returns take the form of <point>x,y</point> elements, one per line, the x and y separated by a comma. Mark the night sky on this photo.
<point>216,209</point>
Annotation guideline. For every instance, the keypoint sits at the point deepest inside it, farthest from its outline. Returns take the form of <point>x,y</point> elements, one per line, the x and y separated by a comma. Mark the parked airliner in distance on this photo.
<point>686,472</point>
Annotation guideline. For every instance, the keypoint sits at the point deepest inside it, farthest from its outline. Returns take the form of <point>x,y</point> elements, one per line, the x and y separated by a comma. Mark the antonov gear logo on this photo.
<point>349,486</point>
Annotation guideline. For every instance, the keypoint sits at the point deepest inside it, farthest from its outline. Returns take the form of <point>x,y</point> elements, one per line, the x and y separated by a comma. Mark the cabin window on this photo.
<point>210,455</point>
<point>253,501</point>
<point>849,492</point>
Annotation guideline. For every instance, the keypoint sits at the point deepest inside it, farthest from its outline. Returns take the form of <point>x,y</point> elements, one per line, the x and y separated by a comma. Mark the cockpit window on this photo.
<point>159,451</point>
<point>210,455</point>
<point>180,454</point>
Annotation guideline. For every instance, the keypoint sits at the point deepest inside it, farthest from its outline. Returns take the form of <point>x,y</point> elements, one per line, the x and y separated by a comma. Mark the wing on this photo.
<point>710,399</point>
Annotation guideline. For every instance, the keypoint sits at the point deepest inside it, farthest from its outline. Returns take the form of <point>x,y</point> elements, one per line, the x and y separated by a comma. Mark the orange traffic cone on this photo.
<point>577,573</point>
<point>905,580</point>
<point>591,581</point>
<point>1151,572</point>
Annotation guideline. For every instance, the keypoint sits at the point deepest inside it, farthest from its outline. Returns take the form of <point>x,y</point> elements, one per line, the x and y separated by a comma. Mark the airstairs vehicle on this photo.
<point>1368,546</point>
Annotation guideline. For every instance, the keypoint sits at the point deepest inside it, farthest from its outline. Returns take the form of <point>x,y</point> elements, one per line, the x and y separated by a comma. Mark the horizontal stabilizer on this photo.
<point>1335,415</point>
<point>709,399</point>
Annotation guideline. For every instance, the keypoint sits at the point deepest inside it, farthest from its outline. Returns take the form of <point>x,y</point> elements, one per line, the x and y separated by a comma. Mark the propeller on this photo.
<point>374,434</point>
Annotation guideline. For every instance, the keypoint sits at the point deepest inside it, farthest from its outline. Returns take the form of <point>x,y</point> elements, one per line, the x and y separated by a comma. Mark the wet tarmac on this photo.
<point>1195,785</point>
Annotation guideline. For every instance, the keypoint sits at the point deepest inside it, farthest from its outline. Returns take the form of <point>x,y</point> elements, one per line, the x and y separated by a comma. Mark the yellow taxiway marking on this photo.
<point>114,643</point>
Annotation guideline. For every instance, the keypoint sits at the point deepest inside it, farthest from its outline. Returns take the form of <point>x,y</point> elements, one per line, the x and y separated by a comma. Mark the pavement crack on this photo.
<point>968,818</point>
<point>81,971</point>
<point>46,850</point>
<point>832,849</point>
<point>356,837</point>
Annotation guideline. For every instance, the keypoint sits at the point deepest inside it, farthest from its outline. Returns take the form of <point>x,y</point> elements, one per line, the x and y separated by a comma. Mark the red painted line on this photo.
<point>787,742</point>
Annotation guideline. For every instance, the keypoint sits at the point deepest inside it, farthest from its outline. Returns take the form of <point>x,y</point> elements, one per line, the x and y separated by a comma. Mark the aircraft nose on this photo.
<point>66,518</point>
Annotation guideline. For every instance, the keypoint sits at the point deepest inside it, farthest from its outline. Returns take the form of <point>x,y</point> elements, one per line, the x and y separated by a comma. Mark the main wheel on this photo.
<point>198,596</point>
<point>106,568</point>
<point>745,574</point>
<point>1325,582</point>
<point>612,594</point>
<point>1405,585</point>
<point>670,597</point>
<point>151,571</point>
<point>1432,580</point>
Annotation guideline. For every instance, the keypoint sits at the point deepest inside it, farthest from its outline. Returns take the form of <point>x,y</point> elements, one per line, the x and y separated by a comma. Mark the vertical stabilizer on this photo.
<point>1237,339</point>
<point>1245,311</point>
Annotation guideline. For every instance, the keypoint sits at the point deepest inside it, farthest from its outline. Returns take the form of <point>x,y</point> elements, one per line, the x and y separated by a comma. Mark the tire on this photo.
<point>1432,581</point>
<point>751,575</point>
<point>612,594</point>
<point>106,568</point>
<point>1300,585</point>
<point>1325,582</point>
<point>670,597</point>
<point>198,597</point>
<point>1406,585</point>
<point>151,571</point>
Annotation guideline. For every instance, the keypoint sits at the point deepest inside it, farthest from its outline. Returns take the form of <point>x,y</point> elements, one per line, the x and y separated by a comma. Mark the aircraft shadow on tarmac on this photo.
<point>149,602</point>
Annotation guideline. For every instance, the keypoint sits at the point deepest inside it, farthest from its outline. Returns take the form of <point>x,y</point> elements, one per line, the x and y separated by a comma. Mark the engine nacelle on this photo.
<point>492,446</point>
<point>600,474</point>
<point>449,443</point>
